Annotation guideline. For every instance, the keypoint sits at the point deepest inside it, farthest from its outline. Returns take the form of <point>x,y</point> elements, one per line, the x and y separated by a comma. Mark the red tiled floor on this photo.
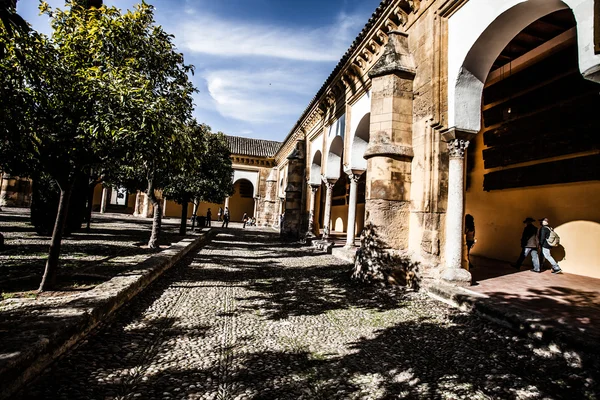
<point>566,299</point>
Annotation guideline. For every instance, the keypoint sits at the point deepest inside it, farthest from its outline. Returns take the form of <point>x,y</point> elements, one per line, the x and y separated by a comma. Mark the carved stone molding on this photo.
<point>457,148</point>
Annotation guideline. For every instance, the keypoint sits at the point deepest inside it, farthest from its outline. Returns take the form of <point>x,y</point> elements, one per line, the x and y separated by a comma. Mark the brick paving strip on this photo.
<point>247,317</point>
<point>35,332</point>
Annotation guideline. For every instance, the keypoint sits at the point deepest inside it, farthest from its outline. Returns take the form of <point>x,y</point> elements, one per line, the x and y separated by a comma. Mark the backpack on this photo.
<point>553,239</point>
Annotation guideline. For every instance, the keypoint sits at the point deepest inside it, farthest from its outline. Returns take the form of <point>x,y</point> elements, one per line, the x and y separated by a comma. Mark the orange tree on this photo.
<point>104,87</point>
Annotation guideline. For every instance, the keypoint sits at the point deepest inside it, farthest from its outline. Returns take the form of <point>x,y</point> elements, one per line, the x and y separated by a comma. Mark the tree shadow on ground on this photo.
<point>424,360</point>
<point>568,311</point>
<point>282,290</point>
<point>435,353</point>
<point>107,250</point>
<point>112,362</point>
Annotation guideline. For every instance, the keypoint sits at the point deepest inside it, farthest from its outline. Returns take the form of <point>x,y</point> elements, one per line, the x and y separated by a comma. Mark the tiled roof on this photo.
<point>252,147</point>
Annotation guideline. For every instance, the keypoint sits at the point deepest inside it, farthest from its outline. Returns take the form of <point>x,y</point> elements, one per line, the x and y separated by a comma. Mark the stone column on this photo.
<point>270,199</point>
<point>311,211</point>
<point>329,183</point>
<point>294,214</point>
<point>256,202</point>
<point>280,211</point>
<point>389,153</point>
<point>136,208</point>
<point>354,176</point>
<point>226,202</point>
<point>455,215</point>
<point>105,200</point>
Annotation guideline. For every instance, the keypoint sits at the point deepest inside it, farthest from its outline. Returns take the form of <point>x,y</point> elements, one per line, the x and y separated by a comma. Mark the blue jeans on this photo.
<point>546,255</point>
<point>534,258</point>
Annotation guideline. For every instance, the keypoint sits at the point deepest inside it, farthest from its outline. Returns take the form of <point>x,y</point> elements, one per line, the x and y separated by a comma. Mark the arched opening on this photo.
<point>242,200</point>
<point>334,158</point>
<point>480,32</point>
<point>315,169</point>
<point>359,144</point>
<point>537,151</point>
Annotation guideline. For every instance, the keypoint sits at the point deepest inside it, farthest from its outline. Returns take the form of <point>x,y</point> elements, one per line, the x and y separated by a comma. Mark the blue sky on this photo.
<point>258,62</point>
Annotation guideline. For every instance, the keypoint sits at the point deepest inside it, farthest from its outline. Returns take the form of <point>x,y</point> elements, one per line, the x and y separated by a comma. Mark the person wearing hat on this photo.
<point>529,245</point>
<point>544,235</point>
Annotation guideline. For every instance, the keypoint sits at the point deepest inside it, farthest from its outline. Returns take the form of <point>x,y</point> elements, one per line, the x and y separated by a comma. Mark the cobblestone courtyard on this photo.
<point>249,318</point>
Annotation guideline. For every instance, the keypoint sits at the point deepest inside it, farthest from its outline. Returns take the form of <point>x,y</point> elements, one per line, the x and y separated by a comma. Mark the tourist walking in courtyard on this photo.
<point>547,238</point>
<point>219,214</point>
<point>208,217</point>
<point>245,220</point>
<point>225,218</point>
<point>529,245</point>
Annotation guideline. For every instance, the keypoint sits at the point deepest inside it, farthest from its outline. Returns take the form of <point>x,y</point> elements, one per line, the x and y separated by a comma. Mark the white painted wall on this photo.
<point>479,31</point>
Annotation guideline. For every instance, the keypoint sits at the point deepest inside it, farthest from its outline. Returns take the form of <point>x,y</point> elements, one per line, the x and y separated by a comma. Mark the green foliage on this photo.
<point>104,88</point>
<point>374,263</point>
<point>206,173</point>
<point>10,21</point>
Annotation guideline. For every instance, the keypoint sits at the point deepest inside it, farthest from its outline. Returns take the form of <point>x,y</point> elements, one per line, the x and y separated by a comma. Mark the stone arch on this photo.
<point>315,169</point>
<point>334,158</point>
<point>479,32</point>
<point>251,176</point>
<point>360,141</point>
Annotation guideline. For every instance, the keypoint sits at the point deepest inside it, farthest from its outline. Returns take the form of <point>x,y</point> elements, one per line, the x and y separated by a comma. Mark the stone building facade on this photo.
<point>442,108</point>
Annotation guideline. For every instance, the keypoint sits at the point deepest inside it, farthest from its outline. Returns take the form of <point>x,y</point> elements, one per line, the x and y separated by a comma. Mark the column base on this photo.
<point>457,276</point>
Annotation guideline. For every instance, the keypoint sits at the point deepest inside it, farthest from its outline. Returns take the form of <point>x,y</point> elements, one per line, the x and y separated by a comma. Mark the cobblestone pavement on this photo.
<point>248,318</point>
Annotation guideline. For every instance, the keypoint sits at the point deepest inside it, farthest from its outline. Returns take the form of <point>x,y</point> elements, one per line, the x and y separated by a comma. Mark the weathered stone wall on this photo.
<point>426,37</point>
<point>293,222</point>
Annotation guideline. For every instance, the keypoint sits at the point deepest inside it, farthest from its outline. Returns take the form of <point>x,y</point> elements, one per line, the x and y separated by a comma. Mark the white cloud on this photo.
<point>208,34</point>
<point>258,96</point>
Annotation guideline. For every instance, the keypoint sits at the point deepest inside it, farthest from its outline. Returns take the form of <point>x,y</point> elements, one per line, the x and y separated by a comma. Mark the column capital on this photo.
<point>329,182</point>
<point>353,174</point>
<point>457,133</point>
<point>457,147</point>
<point>313,187</point>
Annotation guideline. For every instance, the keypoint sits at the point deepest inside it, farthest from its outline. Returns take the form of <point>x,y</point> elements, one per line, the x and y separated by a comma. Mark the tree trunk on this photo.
<point>157,219</point>
<point>49,278</point>
<point>90,200</point>
<point>183,224</point>
<point>195,213</point>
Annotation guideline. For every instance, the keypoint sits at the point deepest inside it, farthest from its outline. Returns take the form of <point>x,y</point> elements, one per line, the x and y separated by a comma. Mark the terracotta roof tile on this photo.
<point>252,147</point>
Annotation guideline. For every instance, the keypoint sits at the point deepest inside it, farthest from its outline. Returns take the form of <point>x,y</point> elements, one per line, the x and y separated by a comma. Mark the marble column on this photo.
<point>329,183</point>
<point>311,212</point>
<point>105,200</point>
<point>354,176</point>
<point>455,215</point>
